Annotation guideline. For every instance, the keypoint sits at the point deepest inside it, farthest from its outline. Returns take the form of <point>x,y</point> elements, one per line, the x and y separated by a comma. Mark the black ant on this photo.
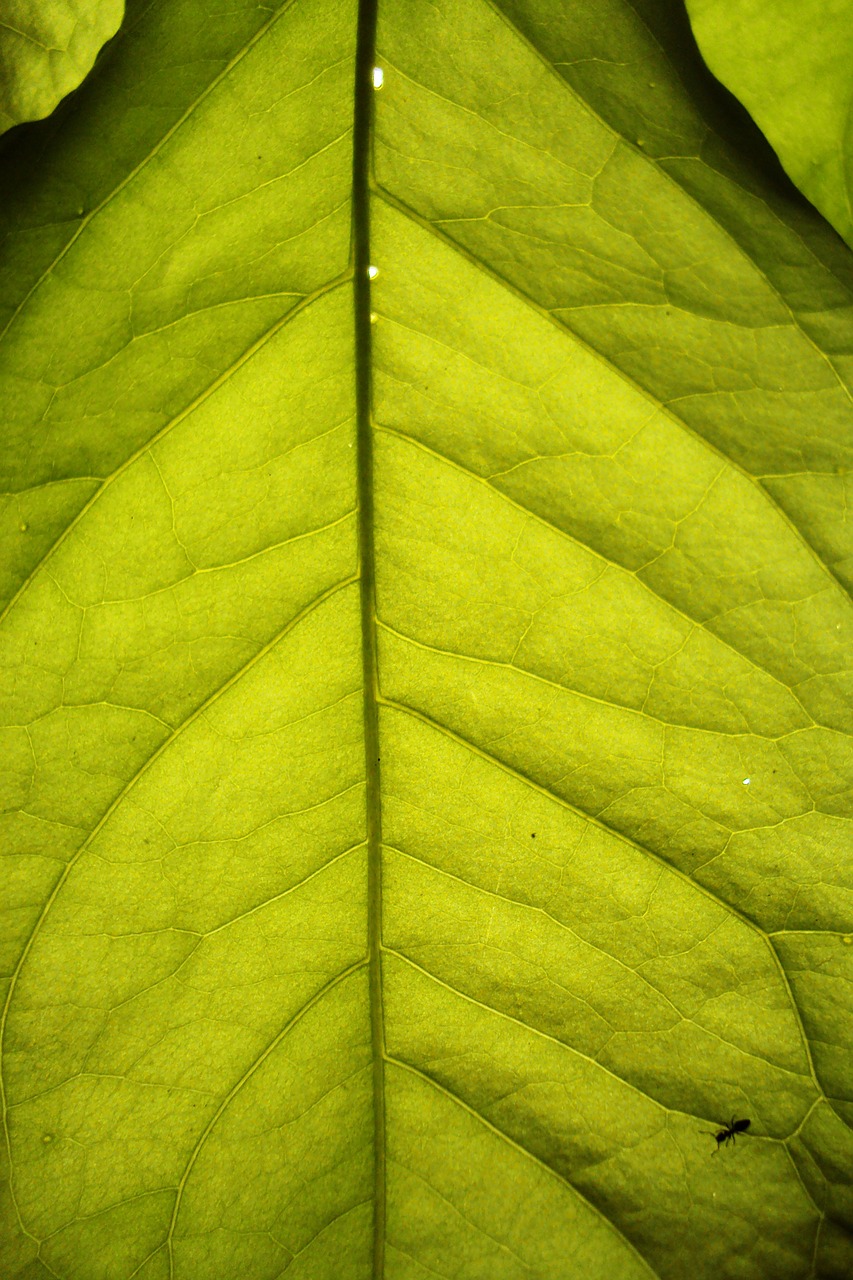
<point>727,1135</point>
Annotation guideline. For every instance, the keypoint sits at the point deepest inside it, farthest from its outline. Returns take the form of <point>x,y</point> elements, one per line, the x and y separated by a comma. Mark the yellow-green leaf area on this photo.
<point>789,64</point>
<point>425,660</point>
<point>47,49</point>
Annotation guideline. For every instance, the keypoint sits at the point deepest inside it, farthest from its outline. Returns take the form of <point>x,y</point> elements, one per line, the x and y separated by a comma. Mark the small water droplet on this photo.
<point>747,781</point>
<point>372,273</point>
<point>373,317</point>
<point>378,77</point>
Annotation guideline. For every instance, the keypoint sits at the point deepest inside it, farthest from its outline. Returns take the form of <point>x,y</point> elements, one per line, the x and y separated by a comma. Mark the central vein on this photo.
<point>362,123</point>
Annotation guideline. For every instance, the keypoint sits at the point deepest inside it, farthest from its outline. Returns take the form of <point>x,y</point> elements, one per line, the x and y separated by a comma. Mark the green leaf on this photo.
<point>47,49</point>
<point>426,697</point>
<point>789,62</point>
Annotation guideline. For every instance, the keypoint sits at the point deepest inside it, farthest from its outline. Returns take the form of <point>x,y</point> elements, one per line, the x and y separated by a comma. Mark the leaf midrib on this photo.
<point>362,147</point>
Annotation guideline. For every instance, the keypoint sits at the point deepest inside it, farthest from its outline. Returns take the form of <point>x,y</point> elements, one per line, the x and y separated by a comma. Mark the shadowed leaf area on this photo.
<point>425,755</point>
<point>789,62</point>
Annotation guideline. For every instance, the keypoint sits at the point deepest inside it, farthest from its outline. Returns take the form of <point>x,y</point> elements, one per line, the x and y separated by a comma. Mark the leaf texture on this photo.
<point>789,64</point>
<point>47,50</point>
<point>426,700</point>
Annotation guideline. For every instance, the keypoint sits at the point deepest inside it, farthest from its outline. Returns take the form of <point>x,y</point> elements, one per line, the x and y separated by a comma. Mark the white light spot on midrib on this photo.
<point>378,77</point>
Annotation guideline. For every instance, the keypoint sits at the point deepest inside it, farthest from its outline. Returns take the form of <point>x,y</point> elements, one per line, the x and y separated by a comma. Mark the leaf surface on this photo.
<point>789,64</point>
<point>427,699</point>
<point>47,49</point>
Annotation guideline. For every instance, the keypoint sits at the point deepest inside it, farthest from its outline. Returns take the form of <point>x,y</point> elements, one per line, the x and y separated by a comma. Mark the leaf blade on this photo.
<point>604,618</point>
